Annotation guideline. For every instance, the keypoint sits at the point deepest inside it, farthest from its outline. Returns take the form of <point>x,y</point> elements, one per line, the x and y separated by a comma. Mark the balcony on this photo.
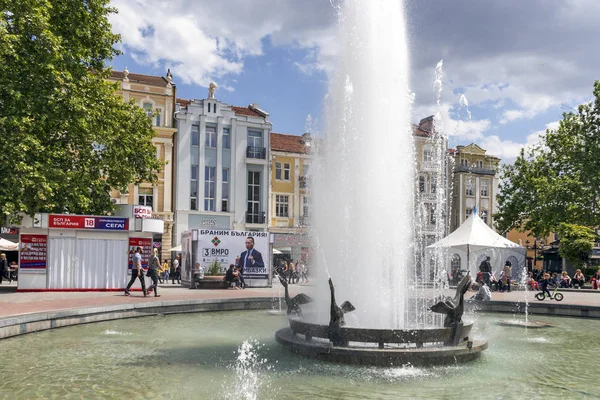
<point>474,170</point>
<point>304,181</point>
<point>304,220</point>
<point>431,166</point>
<point>258,218</point>
<point>259,153</point>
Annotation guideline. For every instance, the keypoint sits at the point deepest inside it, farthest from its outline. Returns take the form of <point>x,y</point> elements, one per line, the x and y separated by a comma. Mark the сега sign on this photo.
<point>86,222</point>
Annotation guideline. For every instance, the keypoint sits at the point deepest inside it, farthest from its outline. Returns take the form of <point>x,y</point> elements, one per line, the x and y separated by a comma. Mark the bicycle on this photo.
<point>556,295</point>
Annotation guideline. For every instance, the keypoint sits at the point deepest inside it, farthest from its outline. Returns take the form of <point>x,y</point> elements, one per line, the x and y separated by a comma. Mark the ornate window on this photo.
<point>281,205</point>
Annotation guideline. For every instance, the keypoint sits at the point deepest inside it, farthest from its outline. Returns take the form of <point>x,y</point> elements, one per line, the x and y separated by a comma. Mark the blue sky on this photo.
<point>520,64</point>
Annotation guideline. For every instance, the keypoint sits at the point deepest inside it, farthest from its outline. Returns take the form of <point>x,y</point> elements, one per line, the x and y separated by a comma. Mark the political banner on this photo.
<point>146,245</point>
<point>224,246</point>
<point>87,222</point>
<point>33,251</point>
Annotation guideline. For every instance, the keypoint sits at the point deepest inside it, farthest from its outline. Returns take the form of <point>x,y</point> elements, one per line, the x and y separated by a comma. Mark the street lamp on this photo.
<point>535,247</point>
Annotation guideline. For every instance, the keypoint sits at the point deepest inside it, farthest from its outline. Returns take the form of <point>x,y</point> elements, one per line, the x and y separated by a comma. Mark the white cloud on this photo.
<point>508,150</point>
<point>204,42</point>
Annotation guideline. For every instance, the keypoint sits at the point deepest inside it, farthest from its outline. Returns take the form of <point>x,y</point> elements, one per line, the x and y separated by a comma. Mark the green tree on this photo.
<point>66,139</point>
<point>576,243</point>
<point>557,181</point>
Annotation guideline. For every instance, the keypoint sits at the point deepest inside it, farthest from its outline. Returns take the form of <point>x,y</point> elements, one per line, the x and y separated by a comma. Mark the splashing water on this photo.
<point>464,104</point>
<point>250,378</point>
<point>308,125</point>
<point>364,189</point>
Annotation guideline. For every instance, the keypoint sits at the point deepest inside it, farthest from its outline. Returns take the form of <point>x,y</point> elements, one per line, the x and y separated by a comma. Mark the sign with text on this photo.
<point>86,222</point>
<point>33,251</point>
<point>225,245</point>
<point>142,212</point>
<point>7,230</point>
<point>146,245</point>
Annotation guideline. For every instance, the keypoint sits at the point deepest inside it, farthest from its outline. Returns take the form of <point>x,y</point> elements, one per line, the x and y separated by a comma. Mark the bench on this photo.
<point>209,282</point>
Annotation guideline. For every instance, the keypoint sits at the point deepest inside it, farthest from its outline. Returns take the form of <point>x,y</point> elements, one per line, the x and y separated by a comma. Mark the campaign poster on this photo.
<point>33,251</point>
<point>67,221</point>
<point>225,245</point>
<point>146,245</point>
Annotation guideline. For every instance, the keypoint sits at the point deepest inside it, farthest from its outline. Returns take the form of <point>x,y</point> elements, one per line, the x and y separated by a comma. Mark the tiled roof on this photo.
<point>145,79</point>
<point>287,143</point>
<point>246,111</point>
<point>238,110</point>
<point>420,132</point>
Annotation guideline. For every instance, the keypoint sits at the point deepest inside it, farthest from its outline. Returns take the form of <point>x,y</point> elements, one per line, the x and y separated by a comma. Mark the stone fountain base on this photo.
<point>383,347</point>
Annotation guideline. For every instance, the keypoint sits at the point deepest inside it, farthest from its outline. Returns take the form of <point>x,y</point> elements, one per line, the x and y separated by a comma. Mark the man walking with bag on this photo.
<point>136,271</point>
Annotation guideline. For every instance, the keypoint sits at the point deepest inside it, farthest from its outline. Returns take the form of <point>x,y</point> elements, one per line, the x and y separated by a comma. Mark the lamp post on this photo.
<point>534,248</point>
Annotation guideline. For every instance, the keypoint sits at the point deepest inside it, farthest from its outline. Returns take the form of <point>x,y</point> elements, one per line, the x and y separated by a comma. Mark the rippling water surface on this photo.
<point>203,356</point>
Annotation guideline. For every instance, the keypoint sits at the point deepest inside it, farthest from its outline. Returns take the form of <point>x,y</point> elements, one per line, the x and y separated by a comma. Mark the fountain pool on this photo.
<point>210,356</point>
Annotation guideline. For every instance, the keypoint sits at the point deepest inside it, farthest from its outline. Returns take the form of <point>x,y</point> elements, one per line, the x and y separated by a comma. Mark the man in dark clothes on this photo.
<point>486,268</point>
<point>232,276</point>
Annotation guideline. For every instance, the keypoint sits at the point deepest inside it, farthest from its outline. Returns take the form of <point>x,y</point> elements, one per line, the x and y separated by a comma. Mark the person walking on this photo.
<point>176,268</point>
<point>4,271</point>
<point>136,271</point>
<point>165,271</point>
<point>153,267</point>
<point>485,268</point>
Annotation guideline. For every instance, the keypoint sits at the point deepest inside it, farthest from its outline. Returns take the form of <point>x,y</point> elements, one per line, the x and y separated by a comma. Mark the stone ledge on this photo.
<point>535,308</point>
<point>29,323</point>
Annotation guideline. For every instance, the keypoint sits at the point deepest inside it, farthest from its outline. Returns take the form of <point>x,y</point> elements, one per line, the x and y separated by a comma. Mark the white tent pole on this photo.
<point>468,261</point>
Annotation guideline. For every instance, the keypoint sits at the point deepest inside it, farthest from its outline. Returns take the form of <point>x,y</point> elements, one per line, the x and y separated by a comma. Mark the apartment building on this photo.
<point>475,184</point>
<point>222,166</point>
<point>289,215</point>
<point>156,95</point>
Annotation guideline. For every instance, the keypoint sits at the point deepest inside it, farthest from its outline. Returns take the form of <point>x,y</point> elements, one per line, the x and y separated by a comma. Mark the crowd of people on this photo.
<point>562,280</point>
<point>293,272</point>
<point>537,279</point>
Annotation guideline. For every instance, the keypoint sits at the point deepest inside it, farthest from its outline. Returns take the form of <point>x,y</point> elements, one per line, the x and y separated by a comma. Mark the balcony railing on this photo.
<point>304,220</point>
<point>474,170</point>
<point>304,181</point>
<point>255,218</point>
<point>256,152</point>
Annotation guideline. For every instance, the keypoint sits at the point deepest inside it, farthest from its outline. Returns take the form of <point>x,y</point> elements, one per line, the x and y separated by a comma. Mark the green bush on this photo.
<point>214,268</point>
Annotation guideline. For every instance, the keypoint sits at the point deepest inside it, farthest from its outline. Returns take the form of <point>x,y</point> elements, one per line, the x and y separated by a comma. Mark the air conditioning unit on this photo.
<point>115,201</point>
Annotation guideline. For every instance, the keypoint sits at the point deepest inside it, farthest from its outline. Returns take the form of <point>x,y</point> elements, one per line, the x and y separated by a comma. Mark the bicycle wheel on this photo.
<point>558,296</point>
<point>540,296</point>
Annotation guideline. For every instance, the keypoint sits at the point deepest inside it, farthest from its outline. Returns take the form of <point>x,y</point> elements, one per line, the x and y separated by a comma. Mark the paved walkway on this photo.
<point>13,303</point>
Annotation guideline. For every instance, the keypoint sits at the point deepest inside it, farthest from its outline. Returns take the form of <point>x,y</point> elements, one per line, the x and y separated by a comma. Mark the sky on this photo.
<point>510,68</point>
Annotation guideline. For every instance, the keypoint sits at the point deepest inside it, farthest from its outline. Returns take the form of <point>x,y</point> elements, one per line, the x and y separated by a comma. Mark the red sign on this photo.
<point>142,212</point>
<point>146,245</point>
<point>87,222</point>
<point>33,251</point>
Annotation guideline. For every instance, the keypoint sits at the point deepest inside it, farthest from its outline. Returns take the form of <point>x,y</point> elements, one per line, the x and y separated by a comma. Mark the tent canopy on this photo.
<point>473,235</point>
<point>7,245</point>
<point>176,249</point>
<point>475,239</point>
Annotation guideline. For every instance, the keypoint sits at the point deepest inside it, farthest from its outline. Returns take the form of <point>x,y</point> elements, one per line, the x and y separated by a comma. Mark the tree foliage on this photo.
<point>66,139</point>
<point>576,243</point>
<point>557,181</point>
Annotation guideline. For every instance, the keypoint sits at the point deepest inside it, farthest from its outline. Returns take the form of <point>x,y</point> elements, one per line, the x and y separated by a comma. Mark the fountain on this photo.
<point>364,207</point>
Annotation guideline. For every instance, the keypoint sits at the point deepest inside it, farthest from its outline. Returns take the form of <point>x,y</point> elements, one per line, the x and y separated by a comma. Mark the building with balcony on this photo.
<point>433,194</point>
<point>289,215</point>
<point>475,184</point>
<point>221,165</point>
<point>156,95</point>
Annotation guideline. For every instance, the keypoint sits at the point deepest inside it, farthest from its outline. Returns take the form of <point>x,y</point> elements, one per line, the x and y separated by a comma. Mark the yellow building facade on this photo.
<point>289,194</point>
<point>157,96</point>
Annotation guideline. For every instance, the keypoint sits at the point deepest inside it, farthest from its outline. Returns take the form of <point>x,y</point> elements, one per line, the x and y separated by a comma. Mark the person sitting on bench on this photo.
<point>232,276</point>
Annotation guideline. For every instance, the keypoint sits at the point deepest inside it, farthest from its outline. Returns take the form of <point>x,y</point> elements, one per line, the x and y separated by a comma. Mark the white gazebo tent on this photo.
<point>474,240</point>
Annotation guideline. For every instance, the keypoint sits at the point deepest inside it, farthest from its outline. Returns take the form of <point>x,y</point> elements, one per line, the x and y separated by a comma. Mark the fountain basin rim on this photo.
<point>368,335</point>
<point>385,357</point>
